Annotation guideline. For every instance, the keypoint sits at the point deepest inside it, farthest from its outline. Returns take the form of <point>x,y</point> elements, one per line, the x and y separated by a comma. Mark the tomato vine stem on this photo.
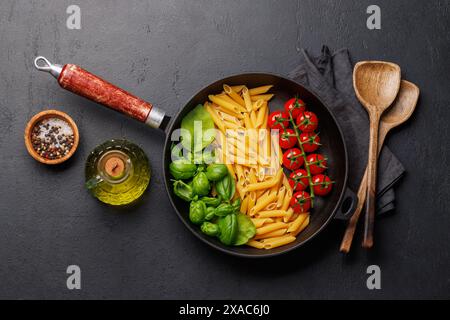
<point>297,135</point>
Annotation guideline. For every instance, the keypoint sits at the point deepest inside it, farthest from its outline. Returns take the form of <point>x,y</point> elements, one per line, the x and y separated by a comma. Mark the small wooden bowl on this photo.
<point>45,115</point>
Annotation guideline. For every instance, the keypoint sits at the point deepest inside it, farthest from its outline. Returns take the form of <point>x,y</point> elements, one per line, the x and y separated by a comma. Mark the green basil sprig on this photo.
<point>183,190</point>
<point>182,169</point>
<point>215,171</point>
<point>225,187</point>
<point>197,212</point>
<point>228,227</point>
<point>200,184</point>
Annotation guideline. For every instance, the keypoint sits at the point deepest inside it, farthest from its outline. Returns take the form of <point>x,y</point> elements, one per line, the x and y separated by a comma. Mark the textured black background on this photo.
<point>164,51</point>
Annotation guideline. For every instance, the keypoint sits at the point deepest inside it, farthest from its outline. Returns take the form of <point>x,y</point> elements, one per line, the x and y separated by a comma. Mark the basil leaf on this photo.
<point>226,187</point>
<point>194,118</point>
<point>246,230</point>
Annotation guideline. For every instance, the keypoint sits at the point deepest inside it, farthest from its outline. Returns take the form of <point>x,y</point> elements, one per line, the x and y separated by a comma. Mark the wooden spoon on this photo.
<point>376,85</point>
<point>398,113</point>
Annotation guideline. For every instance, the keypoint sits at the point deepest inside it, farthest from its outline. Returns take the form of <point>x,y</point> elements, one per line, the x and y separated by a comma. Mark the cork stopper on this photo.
<point>115,167</point>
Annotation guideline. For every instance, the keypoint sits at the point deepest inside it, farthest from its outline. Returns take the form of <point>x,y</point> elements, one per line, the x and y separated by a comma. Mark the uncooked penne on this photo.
<point>237,88</point>
<point>255,244</point>
<point>259,90</point>
<point>265,97</point>
<point>251,202</point>
<point>262,202</point>
<point>217,121</point>
<point>270,227</point>
<point>297,222</point>
<point>278,241</point>
<point>302,227</point>
<point>233,95</point>
<point>265,184</point>
<point>271,214</point>
<point>290,213</point>
<point>280,196</point>
<point>276,233</point>
<point>231,107</point>
<point>230,100</point>
<point>260,222</point>
<point>287,199</point>
<point>244,205</point>
<point>247,99</point>
<point>261,115</point>
<point>257,104</point>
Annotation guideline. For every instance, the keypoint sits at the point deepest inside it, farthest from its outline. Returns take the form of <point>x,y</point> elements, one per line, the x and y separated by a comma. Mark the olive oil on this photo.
<point>117,172</point>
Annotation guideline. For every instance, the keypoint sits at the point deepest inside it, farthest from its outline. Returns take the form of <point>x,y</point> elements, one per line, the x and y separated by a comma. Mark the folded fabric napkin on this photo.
<point>330,77</point>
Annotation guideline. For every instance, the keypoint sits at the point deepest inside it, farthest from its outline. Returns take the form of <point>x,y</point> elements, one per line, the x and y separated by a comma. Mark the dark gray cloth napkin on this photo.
<point>329,75</point>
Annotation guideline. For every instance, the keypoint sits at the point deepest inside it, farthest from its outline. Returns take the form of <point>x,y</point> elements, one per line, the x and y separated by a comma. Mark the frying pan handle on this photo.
<point>347,206</point>
<point>81,82</point>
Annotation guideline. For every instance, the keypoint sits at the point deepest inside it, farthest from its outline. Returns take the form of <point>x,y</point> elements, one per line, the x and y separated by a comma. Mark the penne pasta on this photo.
<point>261,115</point>
<point>262,202</point>
<point>251,202</point>
<point>259,90</point>
<point>270,227</point>
<point>260,222</point>
<point>231,107</point>
<point>271,206</point>
<point>257,105</point>
<point>290,213</point>
<point>286,200</point>
<point>230,100</point>
<point>297,222</point>
<point>265,97</point>
<point>255,244</point>
<point>276,233</point>
<point>278,241</point>
<point>302,227</point>
<point>271,214</point>
<point>233,95</point>
<point>244,205</point>
<point>253,119</point>
<point>247,99</point>
<point>217,121</point>
<point>280,196</point>
<point>237,88</point>
<point>265,184</point>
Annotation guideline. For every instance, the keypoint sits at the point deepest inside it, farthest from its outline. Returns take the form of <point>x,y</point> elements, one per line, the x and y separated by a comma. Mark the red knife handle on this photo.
<point>92,87</point>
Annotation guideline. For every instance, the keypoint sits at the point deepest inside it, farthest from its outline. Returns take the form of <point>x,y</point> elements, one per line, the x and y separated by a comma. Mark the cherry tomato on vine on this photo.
<point>317,163</point>
<point>288,138</point>
<point>322,184</point>
<point>293,159</point>
<point>296,106</point>
<point>307,121</point>
<point>300,202</point>
<point>310,141</point>
<point>299,180</point>
<point>278,120</point>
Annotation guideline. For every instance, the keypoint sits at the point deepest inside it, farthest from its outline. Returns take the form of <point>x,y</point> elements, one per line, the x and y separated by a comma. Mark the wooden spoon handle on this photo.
<point>371,181</point>
<point>362,193</point>
<point>353,222</point>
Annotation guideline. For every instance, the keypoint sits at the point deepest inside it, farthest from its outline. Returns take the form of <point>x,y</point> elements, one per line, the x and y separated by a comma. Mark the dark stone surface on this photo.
<point>164,51</point>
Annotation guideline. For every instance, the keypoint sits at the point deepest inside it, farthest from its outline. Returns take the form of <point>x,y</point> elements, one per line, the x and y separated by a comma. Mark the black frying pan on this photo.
<point>339,203</point>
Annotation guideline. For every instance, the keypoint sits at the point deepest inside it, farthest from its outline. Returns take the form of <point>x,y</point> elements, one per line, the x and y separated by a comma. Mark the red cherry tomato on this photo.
<point>292,159</point>
<point>296,106</point>
<point>287,138</point>
<point>317,163</point>
<point>322,184</point>
<point>299,180</point>
<point>307,121</point>
<point>310,141</point>
<point>300,202</point>
<point>278,120</point>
